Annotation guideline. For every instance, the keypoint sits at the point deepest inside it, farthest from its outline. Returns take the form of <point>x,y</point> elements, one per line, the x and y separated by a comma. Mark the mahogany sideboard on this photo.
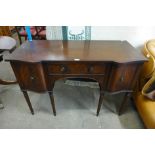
<point>115,65</point>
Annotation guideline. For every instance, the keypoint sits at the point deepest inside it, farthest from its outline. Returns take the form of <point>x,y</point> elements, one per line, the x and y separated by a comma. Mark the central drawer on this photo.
<point>76,68</point>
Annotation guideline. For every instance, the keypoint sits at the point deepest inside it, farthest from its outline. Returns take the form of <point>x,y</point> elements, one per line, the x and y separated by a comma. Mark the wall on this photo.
<point>137,36</point>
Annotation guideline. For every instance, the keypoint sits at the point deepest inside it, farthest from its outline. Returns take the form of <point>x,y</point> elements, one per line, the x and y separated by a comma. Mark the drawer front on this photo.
<point>29,76</point>
<point>76,68</point>
<point>122,77</point>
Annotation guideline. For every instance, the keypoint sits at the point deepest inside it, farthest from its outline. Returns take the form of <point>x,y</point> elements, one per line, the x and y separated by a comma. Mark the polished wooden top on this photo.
<point>7,43</point>
<point>43,50</point>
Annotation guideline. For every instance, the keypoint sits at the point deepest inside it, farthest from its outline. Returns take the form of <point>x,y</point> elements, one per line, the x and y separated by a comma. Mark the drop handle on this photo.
<point>91,69</point>
<point>122,78</point>
<point>32,78</point>
<point>63,69</point>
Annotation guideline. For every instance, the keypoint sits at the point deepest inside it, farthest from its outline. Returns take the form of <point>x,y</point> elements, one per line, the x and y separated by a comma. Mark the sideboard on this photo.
<point>115,65</point>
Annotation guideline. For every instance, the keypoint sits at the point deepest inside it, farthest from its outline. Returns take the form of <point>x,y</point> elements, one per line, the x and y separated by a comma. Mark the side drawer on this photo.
<point>122,77</point>
<point>30,76</point>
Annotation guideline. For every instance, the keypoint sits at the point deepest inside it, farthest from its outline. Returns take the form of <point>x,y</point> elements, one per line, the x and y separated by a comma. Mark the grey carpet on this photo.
<point>76,108</point>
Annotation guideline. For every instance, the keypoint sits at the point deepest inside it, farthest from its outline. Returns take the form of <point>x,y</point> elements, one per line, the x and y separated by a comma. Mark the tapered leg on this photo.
<point>52,103</point>
<point>125,99</point>
<point>28,101</point>
<point>100,103</point>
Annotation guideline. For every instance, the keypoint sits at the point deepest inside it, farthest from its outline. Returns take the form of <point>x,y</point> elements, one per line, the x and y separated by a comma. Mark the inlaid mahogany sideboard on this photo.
<point>115,65</point>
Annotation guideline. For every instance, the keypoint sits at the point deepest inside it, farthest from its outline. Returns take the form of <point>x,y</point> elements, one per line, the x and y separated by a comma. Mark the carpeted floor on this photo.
<point>76,108</point>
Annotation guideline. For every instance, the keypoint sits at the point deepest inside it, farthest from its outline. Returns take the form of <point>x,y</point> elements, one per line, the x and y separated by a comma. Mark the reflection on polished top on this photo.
<point>43,50</point>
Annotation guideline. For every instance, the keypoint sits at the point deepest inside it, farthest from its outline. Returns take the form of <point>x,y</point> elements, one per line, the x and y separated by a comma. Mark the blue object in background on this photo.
<point>28,31</point>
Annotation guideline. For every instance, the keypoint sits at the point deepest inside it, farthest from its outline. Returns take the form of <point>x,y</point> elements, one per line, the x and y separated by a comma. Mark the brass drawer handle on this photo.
<point>122,78</point>
<point>63,69</point>
<point>90,69</point>
<point>32,78</point>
